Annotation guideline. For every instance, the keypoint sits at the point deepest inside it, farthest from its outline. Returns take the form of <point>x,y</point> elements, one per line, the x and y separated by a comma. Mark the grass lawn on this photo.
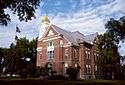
<point>59,82</point>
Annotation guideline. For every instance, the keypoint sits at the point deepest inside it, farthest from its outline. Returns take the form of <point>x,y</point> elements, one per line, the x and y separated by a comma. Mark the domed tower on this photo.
<point>44,26</point>
<point>45,20</point>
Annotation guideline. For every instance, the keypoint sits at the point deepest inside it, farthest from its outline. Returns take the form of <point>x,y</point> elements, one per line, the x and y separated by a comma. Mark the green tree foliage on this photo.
<point>10,59</point>
<point>116,28</point>
<point>21,58</point>
<point>109,58</point>
<point>123,72</point>
<point>4,53</point>
<point>72,73</point>
<point>24,9</point>
<point>1,59</point>
<point>107,45</point>
<point>26,52</point>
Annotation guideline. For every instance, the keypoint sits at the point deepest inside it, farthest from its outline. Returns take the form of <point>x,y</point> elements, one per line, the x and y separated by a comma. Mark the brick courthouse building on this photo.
<point>61,49</point>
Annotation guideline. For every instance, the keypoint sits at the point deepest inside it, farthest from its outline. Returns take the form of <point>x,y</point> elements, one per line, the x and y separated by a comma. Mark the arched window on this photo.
<point>50,54</point>
<point>50,43</point>
<point>88,69</point>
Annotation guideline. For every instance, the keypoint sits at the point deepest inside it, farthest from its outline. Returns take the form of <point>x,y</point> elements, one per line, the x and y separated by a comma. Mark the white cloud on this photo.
<point>122,49</point>
<point>86,20</point>
<point>28,29</point>
<point>94,19</point>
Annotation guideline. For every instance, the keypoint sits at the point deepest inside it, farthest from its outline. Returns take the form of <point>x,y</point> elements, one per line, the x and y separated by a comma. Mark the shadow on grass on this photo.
<point>59,82</point>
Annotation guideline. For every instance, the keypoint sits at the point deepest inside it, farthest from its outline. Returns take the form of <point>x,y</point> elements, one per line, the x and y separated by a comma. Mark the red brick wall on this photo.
<point>58,55</point>
<point>60,59</point>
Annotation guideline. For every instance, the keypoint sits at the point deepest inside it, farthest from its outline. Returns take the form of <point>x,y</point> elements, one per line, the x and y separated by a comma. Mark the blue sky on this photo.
<point>86,16</point>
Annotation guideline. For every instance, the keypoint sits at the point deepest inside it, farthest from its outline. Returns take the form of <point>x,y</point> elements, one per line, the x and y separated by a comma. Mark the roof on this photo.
<point>66,34</point>
<point>90,38</point>
<point>75,37</point>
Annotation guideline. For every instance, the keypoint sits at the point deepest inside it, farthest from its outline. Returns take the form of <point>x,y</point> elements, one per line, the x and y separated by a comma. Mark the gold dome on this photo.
<point>45,19</point>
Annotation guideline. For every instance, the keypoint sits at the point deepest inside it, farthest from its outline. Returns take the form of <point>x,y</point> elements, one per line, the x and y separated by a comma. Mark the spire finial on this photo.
<point>45,20</point>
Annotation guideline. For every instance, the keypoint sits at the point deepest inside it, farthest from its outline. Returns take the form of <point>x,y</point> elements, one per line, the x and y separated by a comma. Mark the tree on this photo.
<point>109,58</point>
<point>1,60</point>
<point>123,72</point>
<point>108,44</point>
<point>21,57</point>
<point>5,55</point>
<point>26,52</point>
<point>31,54</point>
<point>11,60</point>
<point>24,9</point>
<point>116,28</point>
<point>72,73</point>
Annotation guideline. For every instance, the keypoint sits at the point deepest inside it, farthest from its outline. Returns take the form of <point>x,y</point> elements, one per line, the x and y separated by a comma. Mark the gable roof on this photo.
<point>65,33</point>
<point>90,38</point>
<point>75,37</point>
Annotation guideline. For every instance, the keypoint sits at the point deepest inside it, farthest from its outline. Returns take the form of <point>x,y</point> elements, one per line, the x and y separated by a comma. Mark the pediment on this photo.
<point>50,33</point>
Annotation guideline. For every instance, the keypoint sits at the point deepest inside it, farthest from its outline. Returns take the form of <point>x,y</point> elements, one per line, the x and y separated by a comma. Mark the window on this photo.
<point>95,57</point>
<point>41,56</point>
<point>74,53</point>
<point>66,57</point>
<point>50,50</point>
<point>88,69</point>
<point>88,56</point>
<point>50,44</point>
<point>96,68</point>
<point>50,54</point>
<point>66,54</point>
